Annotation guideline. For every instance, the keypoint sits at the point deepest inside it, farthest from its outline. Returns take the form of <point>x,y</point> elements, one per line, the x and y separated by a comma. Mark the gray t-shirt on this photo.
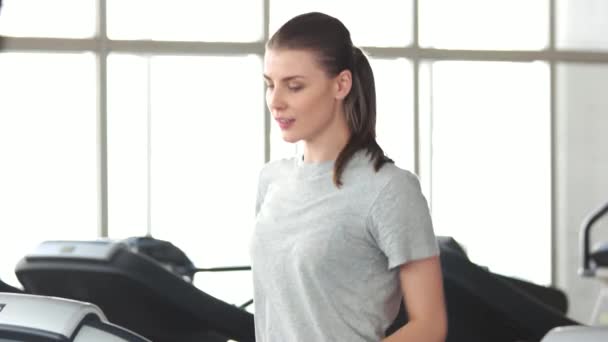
<point>325,260</point>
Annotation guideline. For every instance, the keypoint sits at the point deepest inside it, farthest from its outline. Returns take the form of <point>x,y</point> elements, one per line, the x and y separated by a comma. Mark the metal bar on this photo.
<point>553,146</point>
<point>185,48</point>
<point>430,142</point>
<point>14,44</point>
<point>102,119</point>
<point>130,46</point>
<point>416,89</point>
<point>209,48</point>
<point>148,147</point>
<point>266,112</point>
<point>489,55</point>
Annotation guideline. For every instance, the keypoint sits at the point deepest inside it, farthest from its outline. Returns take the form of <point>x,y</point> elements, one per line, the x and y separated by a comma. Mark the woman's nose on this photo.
<point>275,99</point>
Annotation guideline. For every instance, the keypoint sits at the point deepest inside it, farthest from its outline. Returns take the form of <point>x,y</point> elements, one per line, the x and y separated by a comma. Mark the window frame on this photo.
<point>102,46</point>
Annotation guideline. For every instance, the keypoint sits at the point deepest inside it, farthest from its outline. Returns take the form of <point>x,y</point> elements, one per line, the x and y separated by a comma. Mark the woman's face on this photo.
<point>301,97</point>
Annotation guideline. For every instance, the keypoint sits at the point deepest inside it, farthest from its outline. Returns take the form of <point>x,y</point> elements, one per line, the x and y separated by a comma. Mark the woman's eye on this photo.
<point>294,87</point>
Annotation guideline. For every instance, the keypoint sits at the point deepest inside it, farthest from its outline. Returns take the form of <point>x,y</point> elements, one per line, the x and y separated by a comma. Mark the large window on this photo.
<point>123,118</point>
<point>484,25</point>
<point>491,163</point>
<point>185,20</point>
<point>48,152</point>
<point>56,19</point>
<point>194,154</point>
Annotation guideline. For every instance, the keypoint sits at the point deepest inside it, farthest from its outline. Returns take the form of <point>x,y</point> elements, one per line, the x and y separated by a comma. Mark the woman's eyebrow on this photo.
<point>285,79</point>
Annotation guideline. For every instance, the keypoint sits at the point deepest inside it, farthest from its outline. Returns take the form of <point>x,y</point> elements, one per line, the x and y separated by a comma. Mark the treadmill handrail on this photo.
<point>223,269</point>
<point>585,237</point>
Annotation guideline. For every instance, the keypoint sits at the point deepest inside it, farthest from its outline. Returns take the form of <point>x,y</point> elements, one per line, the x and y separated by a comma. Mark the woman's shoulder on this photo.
<point>394,172</point>
<point>388,172</point>
<point>275,168</point>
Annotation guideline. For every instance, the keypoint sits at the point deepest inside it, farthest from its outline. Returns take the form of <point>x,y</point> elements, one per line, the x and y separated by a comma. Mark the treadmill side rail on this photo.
<point>577,334</point>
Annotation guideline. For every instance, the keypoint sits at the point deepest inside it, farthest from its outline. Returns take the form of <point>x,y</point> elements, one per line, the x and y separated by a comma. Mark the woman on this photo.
<point>342,234</point>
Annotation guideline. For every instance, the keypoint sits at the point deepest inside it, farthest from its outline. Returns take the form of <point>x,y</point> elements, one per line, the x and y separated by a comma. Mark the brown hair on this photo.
<point>330,40</point>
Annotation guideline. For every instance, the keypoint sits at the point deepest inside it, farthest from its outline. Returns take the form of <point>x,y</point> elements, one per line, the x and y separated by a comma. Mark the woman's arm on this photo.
<point>422,286</point>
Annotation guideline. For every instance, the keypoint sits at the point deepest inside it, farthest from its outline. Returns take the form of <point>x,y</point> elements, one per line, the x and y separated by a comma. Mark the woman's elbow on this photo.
<point>442,334</point>
<point>436,326</point>
<point>440,328</point>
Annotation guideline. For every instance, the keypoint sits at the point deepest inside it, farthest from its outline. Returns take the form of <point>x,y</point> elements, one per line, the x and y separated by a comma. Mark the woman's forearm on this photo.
<point>419,332</point>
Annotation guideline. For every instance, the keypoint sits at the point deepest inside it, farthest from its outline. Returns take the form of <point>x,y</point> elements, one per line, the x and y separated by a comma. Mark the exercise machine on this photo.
<point>145,285</point>
<point>4,287</point>
<point>134,289</point>
<point>577,334</point>
<point>595,264</point>
<point>25,317</point>
<point>483,306</point>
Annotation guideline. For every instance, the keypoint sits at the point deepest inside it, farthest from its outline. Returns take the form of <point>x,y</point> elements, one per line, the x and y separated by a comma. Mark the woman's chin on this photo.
<point>290,138</point>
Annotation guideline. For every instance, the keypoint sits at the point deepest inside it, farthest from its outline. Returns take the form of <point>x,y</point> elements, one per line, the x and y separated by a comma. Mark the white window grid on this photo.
<point>102,46</point>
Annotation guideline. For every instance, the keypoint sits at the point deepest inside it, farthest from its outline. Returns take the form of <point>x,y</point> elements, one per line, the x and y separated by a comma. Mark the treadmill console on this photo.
<point>101,250</point>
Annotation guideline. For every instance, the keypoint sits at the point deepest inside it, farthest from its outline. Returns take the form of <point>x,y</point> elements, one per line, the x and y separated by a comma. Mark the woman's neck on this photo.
<point>328,145</point>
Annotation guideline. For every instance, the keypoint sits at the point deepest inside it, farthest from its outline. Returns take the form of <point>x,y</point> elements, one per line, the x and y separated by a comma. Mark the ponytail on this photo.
<point>360,111</point>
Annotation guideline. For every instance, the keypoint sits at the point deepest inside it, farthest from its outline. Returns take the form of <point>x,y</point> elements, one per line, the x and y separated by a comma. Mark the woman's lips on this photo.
<point>285,123</point>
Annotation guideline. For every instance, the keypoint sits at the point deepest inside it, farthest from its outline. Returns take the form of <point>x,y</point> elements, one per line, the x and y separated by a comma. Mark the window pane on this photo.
<point>42,18</point>
<point>582,24</point>
<point>186,20</point>
<point>207,147</point>
<point>48,152</point>
<point>491,178</point>
<point>394,122</point>
<point>483,24</point>
<point>379,23</point>
<point>127,146</point>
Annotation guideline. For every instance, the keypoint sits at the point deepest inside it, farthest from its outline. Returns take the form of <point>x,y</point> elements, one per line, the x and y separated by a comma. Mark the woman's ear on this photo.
<point>344,83</point>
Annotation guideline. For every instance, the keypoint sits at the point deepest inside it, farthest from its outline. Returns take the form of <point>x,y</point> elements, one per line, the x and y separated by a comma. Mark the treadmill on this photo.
<point>4,287</point>
<point>147,290</point>
<point>594,264</point>
<point>134,290</point>
<point>25,317</point>
<point>577,334</point>
<point>483,306</point>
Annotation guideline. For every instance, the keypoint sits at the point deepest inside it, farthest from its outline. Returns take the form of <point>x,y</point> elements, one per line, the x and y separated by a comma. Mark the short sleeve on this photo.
<point>400,221</point>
